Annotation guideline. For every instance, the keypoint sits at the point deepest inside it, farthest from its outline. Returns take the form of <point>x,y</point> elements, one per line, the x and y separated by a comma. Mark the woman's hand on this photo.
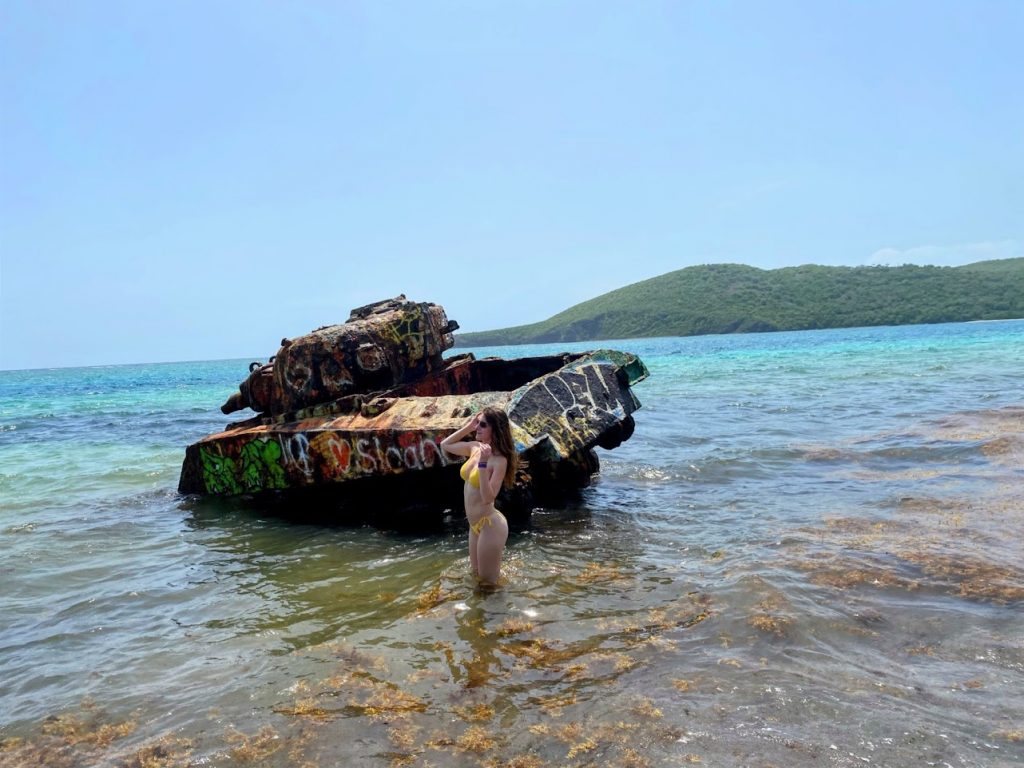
<point>455,443</point>
<point>485,453</point>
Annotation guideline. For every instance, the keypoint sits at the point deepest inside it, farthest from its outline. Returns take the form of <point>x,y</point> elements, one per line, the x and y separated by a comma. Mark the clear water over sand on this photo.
<point>811,552</point>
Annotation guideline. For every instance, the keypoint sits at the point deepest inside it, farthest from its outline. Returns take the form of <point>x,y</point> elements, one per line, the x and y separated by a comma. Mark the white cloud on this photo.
<point>948,255</point>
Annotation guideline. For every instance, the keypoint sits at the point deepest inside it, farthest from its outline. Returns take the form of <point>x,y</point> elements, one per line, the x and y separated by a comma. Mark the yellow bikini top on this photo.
<point>472,477</point>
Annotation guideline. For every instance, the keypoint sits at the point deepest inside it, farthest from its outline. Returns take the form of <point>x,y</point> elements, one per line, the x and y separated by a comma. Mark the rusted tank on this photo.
<point>359,410</point>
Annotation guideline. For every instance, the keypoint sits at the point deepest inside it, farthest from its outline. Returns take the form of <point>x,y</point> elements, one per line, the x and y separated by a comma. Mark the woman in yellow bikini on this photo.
<point>491,461</point>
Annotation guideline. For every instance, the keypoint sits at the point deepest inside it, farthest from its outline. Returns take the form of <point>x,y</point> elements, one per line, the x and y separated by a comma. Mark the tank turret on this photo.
<point>380,346</point>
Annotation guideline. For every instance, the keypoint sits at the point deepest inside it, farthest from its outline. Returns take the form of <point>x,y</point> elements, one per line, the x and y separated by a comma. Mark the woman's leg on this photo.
<point>474,563</point>
<point>490,545</point>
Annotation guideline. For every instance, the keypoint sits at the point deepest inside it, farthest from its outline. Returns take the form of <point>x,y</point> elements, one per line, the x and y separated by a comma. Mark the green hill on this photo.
<point>733,298</point>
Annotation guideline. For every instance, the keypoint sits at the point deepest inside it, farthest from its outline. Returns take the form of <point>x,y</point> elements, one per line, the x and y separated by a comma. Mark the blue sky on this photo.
<point>196,180</point>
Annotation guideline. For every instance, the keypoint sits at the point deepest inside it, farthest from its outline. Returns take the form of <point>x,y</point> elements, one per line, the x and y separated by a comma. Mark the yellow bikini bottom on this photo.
<point>479,524</point>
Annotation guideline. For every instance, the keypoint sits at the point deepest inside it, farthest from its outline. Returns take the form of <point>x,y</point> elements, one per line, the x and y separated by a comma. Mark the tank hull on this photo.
<point>387,443</point>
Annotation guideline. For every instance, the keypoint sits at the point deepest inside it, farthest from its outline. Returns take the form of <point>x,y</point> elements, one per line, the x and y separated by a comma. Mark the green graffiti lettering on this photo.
<point>219,472</point>
<point>261,465</point>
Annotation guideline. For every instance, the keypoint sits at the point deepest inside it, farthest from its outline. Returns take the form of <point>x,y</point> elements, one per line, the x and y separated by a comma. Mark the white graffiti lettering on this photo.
<point>394,453</point>
<point>348,456</point>
<point>367,461</point>
<point>295,449</point>
<point>426,458</point>
<point>583,395</point>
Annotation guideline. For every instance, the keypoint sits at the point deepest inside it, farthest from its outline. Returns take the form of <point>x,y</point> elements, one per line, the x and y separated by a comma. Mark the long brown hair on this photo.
<point>501,441</point>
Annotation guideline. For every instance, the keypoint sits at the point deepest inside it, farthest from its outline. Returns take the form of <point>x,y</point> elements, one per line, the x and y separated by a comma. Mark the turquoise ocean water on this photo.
<point>809,553</point>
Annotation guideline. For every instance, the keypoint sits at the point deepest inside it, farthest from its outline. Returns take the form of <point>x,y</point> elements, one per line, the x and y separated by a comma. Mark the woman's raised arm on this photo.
<point>454,443</point>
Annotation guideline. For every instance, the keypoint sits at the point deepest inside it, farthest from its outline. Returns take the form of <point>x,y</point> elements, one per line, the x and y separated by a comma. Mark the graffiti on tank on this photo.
<point>369,455</point>
<point>602,399</point>
<point>295,449</point>
<point>571,396</point>
<point>218,472</point>
<point>407,329</point>
<point>261,465</point>
<point>335,376</point>
<point>297,373</point>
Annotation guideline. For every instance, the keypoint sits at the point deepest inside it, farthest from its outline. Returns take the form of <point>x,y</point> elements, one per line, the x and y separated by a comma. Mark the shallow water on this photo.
<point>810,552</point>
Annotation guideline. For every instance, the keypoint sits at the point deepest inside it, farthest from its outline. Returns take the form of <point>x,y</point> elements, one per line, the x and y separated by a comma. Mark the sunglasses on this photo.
<point>482,424</point>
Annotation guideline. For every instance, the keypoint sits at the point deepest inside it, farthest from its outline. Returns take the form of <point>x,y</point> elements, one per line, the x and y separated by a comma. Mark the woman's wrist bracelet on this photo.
<point>481,465</point>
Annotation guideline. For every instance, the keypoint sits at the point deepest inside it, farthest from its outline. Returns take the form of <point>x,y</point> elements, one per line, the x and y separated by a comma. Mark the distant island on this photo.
<point>734,298</point>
